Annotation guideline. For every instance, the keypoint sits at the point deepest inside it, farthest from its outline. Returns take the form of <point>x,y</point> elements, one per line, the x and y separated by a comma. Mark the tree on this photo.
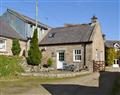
<point>34,53</point>
<point>118,55</point>
<point>15,47</point>
<point>109,56</point>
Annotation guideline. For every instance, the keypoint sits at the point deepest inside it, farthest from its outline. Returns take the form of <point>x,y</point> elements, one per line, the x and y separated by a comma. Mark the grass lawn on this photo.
<point>27,85</point>
<point>9,66</point>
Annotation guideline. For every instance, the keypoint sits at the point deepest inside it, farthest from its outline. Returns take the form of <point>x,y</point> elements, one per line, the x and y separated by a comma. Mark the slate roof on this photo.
<point>7,31</point>
<point>67,35</point>
<point>27,19</point>
<point>110,43</point>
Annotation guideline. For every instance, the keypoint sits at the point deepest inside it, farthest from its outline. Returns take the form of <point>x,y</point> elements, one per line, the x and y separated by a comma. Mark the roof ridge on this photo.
<point>13,11</point>
<point>71,26</point>
<point>24,17</point>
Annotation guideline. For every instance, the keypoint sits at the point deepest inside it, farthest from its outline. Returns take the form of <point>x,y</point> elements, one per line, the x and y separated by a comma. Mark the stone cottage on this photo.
<point>78,44</point>
<point>113,44</point>
<point>7,34</point>
<point>16,25</point>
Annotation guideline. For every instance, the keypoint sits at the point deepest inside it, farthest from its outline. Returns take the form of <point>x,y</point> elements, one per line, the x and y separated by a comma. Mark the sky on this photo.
<point>56,13</point>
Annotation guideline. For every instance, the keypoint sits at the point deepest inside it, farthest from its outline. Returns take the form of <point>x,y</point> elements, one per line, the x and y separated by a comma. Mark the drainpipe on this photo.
<point>84,64</point>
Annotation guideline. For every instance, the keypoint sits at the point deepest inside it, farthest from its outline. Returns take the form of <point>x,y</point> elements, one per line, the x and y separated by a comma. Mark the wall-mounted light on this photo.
<point>52,54</point>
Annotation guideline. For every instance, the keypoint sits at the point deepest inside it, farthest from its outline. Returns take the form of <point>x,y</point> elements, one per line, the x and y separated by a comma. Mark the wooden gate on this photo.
<point>98,66</point>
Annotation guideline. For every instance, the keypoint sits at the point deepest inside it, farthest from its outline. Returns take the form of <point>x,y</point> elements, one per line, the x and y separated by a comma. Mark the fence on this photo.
<point>98,66</point>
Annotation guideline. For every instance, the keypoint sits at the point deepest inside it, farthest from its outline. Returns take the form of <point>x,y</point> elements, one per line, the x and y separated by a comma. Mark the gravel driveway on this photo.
<point>93,84</point>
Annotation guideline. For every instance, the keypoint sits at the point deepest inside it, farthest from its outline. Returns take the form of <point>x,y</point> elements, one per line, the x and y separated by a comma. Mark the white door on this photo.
<point>60,59</point>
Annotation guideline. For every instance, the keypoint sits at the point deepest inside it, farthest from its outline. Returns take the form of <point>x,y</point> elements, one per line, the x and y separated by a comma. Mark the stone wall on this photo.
<point>98,43</point>
<point>89,55</point>
<point>51,52</point>
<point>9,46</point>
<point>56,74</point>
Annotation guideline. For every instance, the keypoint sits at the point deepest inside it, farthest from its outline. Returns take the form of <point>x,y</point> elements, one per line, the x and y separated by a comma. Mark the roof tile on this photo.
<point>73,34</point>
<point>7,31</point>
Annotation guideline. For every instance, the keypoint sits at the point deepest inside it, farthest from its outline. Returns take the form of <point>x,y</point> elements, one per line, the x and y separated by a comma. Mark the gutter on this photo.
<point>72,43</point>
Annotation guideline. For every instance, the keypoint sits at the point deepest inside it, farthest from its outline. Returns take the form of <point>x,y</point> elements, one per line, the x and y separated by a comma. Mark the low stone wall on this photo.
<point>28,68</point>
<point>113,69</point>
<point>47,72</point>
<point>62,74</point>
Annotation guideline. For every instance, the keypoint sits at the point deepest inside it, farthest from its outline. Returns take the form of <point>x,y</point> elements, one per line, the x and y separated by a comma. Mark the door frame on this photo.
<point>57,59</point>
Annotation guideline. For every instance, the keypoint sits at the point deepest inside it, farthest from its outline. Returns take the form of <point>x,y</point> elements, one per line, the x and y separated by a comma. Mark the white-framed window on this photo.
<point>98,55</point>
<point>2,45</point>
<point>101,55</point>
<point>61,56</point>
<point>77,55</point>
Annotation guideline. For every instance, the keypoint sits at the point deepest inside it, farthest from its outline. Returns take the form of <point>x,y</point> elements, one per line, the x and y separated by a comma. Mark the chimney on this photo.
<point>94,19</point>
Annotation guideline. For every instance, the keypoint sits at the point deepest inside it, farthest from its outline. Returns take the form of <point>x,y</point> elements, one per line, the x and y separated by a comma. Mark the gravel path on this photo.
<point>94,84</point>
<point>86,85</point>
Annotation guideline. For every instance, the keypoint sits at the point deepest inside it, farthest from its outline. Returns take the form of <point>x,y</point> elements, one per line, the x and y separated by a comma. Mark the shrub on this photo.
<point>16,47</point>
<point>118,55</point>
<point>49,62</point>
<point>109,56</point>
<point>34,54</point>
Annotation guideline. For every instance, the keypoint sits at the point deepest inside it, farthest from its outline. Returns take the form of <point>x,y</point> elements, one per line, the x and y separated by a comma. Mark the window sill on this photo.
<point>76,61</point>
<point>3,51</point>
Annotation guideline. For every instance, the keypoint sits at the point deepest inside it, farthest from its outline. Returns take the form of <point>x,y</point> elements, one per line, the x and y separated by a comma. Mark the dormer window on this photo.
<point>51,35</point>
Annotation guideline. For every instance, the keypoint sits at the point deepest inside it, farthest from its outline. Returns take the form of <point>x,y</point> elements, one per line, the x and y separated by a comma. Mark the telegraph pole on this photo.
<point>36,13</point>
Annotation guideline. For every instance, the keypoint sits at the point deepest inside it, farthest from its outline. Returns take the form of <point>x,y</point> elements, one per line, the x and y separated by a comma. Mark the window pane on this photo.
<point>79,51</point>
<point>80,57</point>
<point>2,41</point>
<point>61,56</point>
<point>1,47</point>
<point>75,51</point>
<point>77,55</point>
<point>2,44</point>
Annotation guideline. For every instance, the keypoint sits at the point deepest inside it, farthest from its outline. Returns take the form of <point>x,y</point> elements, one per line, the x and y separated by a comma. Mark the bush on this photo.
<point>118,55</point>
<point>34,54</point>
<point>109,56</point>
<point>49,62</point>
<point>16,47</point>
<point>9,66</point>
